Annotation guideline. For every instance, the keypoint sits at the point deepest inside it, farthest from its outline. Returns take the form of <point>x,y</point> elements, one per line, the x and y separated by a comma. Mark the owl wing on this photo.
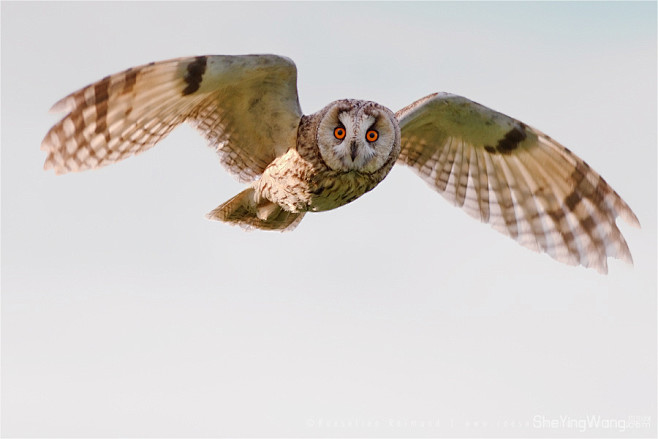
<point>522,182</point>
<point>246,106</point>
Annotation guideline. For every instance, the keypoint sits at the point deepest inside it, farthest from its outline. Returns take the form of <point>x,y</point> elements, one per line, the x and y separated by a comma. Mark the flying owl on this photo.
<point>498,169</point>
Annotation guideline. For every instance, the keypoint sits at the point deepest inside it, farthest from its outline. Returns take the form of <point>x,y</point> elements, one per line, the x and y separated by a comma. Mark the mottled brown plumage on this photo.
<point>496,168</point>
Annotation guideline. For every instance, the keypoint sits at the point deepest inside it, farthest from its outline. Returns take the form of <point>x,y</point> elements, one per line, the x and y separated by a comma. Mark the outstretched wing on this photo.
<point>246,106</point>
<point>513,176</point>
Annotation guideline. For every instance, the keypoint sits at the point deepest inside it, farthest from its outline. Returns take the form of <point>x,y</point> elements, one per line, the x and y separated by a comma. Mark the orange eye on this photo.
<point>372,135</point>
<point>339,132</point>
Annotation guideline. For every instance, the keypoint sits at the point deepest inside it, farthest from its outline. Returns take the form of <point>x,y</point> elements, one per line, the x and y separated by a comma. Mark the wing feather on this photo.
<point>516,178</point>
<point>481,182</point>
<point>501,189</point>
<point>528,216</point>
<point>461,178</point>
<point>557,245</point>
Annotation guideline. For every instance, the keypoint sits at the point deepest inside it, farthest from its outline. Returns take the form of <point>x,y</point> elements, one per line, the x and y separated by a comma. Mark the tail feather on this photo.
<point>248,212</point>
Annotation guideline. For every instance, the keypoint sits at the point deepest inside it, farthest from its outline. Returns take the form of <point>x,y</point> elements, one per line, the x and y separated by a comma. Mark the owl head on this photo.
<point>357,135</point>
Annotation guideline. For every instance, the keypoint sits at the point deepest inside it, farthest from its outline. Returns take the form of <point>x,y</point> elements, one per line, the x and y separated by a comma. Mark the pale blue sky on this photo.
<point>126,313</point>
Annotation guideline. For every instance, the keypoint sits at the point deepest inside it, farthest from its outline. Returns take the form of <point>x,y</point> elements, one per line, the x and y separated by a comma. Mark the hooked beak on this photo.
<point>353,150</point>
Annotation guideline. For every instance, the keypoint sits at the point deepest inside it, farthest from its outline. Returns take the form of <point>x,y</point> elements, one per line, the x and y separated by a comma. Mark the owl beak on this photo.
<point>353,150</point>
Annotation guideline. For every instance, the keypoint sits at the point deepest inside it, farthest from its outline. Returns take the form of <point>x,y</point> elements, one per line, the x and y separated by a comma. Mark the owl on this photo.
<point>496,168</point>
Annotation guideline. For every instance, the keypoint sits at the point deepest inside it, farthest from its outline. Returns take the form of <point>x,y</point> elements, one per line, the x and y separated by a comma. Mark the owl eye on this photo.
<point>339,133</point>
<point>372,135</point>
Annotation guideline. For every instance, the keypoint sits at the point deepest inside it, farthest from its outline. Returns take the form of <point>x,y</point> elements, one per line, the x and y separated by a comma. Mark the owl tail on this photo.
<point>246,211</point>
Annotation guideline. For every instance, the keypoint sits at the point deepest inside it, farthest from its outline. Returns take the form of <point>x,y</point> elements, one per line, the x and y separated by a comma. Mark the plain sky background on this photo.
<point>126,313</point>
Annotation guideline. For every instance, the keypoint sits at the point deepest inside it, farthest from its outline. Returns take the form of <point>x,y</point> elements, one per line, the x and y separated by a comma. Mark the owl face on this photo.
<point>357,135</point>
